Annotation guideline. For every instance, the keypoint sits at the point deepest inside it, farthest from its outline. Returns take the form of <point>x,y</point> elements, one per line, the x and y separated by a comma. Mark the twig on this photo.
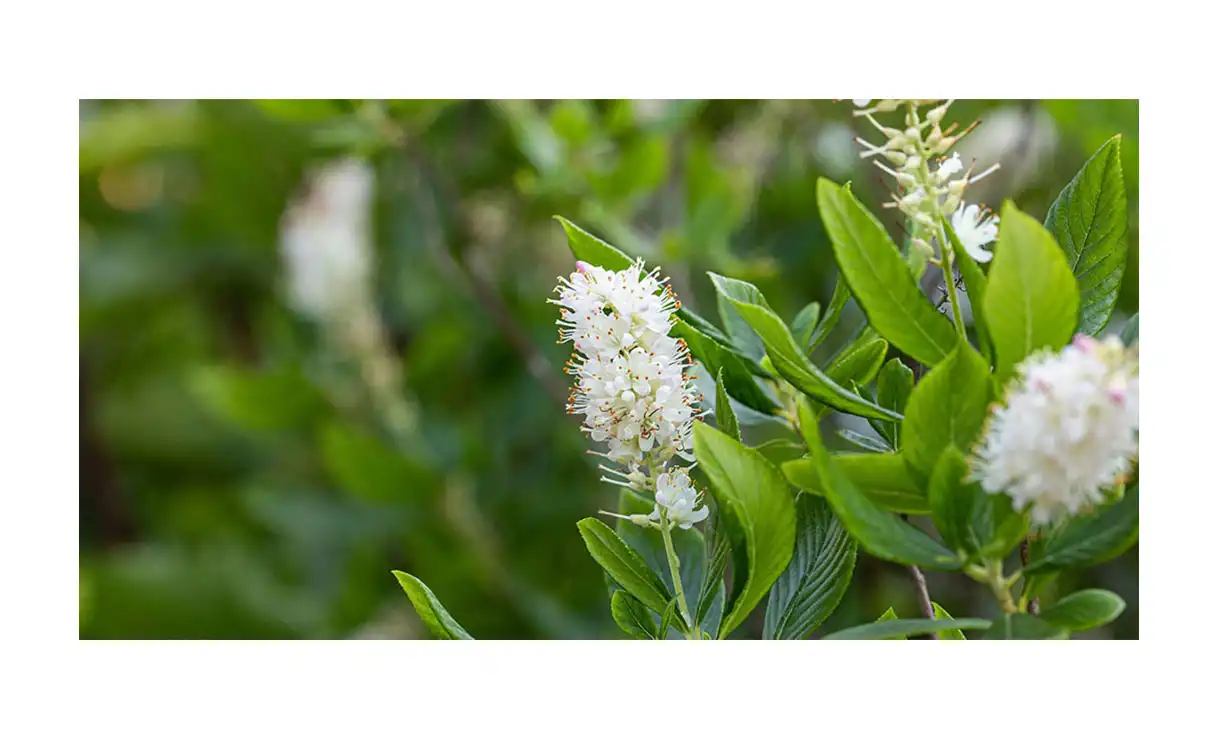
<point>1032,607</point>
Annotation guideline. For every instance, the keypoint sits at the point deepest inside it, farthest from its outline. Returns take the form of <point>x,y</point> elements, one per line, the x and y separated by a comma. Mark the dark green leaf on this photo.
<point>878,531</point>
<point>744,338</point>
<point>1131,332</point>
<point>882,478</point>
<point>632,617</point>
<point>831,317</point>
<point>894,384</point>
<point>1089,220</point>
<point>624,564</point>
<point>953,501</point>
<point>816,577</point>
<point>892,628</point>
<point>880,279</point>
<point>857,365</point>
<point>789,360</point>
<point>1032,302</point>
<point>1021,626</point>
<point>668,617</point>
<point>739,382</point>
<point>1084,610</point>
<point>752,492</point>
<point>804,324</point>
<point>726,420</point>
<point>1089,540</point>
<point>713,576</point>
<point>948,407</point>
<point>430,610</point>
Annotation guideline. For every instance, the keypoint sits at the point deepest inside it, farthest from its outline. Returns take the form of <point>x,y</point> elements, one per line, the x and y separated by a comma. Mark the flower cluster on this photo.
<point>679,499</point>
<point>632,382</point>
<point>325,240</point>
<point>930,184</point>
<point>1068,431</point>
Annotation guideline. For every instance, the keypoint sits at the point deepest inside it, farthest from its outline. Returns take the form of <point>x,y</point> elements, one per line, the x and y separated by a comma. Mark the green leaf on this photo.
<point>365,466</point>
<point>866,443</point>
<point>1089,220</point>
<point>430,610</point>
<point>887,616</point>
<point>1021,626</point>
<point>259,400</point>
<point>789,360</point>
<point>1131,332</point>
<point>632,617</point>
<point>1084,610</point>
<point>892,628</point>
<point>804,324</point>
<point>744,338</point>
<point>976,287</point>
<point>624,564</point>
<point>713,574</point>
<point>589,248</point>
<point>1032,302</point>
<point>831,318</point>
<point>953,501</point>
<point>667,618</point>
<point>856,365</point>
<point>726,420</point>
<point>739,382</point>
<point>939,612</point>
<point>1092,539</point>
<point>780,451</point>
<point>882,478</point>
<point>752,492</point>
<point>894,384</point>
<point>817,576</point>
<point>878,531</point>
<point>880,279</point>
<point>948,407</point>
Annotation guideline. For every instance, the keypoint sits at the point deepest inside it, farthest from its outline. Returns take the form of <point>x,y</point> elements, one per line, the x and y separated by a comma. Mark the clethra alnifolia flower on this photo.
<point>1067,432</point>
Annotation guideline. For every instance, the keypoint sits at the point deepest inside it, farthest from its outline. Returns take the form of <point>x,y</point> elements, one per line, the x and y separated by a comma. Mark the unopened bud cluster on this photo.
<point>930,183</point>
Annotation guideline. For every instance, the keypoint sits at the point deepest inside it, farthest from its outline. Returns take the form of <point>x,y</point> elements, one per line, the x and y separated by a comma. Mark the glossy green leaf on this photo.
<point>857,365</point>
<point>880,279</point>
<point>897,628</point>
<point>976,288</point>
<point>1089,221</point>
<point>1032,302</point>
<point>817,576</point>
<point>878,531</point>
<point>1084,610</point>
<point>780,451</point>
<point>789,360</point>
<point>953,501</point>
<point>430,610</point>
<point>726,420</point>
<point>939,612</point>
<point>668,618</point>
<point>623,564</point>
<point>1021,626</point>
<point>882,478</point>
<point>804,324</point>
<point>752,492</point>
<point>831,318</point>
<point>744,338</point>
<point>713,575</point>
<point>632,617</point>
<point>1090,539</point>
<point>948,407</point>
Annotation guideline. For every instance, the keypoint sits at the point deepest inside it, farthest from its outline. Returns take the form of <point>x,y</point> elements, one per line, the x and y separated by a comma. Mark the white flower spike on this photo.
<point>1068,431</point>
<point>975,228</point>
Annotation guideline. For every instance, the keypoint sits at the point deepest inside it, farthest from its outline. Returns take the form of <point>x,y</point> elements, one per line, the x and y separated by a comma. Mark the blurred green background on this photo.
<point>226,493</point>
